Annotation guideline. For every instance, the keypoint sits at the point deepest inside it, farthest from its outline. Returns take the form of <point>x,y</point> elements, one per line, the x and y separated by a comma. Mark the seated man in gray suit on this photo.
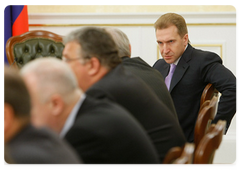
<point>93,56</point>
<point>25,144</point>
<point>100,131</point>
<point>141,69</point>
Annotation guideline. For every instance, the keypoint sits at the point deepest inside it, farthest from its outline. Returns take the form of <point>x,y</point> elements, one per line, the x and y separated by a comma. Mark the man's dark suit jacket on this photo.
<point>105,133</point>
<point>151,77</point>
<point>195,70</point>
<point>40,146</point>
<point>130,92</point>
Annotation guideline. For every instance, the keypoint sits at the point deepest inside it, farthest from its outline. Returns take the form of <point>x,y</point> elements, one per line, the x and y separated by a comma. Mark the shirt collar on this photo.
<point>176,62</point>
<point>71,118</point>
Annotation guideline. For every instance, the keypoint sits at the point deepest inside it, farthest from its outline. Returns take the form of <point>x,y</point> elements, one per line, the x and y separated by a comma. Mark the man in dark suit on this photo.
<point>25,144</point>
<point>194,69</point>
<point>99,130</point>
<point>141,69</point>
<point>101,75</point>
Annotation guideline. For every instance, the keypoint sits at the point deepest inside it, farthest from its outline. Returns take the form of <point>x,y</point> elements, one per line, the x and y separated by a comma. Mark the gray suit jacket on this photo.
<point>105,133</point>
<point>133,94</point>
<point>40,146</point>
<point>151,77</point>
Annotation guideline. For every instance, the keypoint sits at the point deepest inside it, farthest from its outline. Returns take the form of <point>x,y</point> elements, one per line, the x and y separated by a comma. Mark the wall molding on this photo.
<point>126,19</point>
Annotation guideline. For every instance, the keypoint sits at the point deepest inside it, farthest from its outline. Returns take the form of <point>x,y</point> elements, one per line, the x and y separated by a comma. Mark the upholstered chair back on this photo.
<point>31,45</point>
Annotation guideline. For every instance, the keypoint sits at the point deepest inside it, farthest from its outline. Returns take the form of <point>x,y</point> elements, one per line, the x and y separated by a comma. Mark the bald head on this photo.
<point>53,89</point>
<point>50,75</point>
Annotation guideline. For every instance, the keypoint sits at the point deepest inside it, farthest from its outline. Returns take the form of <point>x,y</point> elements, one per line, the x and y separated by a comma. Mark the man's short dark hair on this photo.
<point>170,19</point>
<point>96,42</point>
<point>16,93</point>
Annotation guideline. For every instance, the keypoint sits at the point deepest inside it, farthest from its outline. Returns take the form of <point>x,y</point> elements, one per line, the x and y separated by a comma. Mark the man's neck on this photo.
<point>97,77</point>
<point>70,102</point>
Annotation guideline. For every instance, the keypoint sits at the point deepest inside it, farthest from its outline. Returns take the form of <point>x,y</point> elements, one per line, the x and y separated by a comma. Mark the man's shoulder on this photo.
<point>159,63</point>
<point>39,146</point>
<point>117,78</point>
<point>97,115</point>
<point>203,55</point>
<point>99,107</point>
<point>38,138</point>
<point>134,60</point>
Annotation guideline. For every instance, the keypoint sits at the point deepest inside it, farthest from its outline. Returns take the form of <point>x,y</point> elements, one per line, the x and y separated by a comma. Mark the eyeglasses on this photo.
<point>74,59</point>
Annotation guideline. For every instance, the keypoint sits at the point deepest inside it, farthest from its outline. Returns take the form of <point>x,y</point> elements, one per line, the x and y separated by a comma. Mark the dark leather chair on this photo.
<point>208,92</point>
<point>204,153</point>
<point>33,44</point>
<point>205,116</point>
<point>180,155</point>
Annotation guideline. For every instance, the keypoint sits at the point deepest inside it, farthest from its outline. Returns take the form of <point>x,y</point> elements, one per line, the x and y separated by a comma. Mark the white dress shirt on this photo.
<point>71,118</point>
<point>176,62</point>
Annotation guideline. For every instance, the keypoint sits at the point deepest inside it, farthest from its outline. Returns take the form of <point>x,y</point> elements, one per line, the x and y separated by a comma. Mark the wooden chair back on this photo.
<point>204,153</point>
<point>208,92</point>
<point>187,154</point>
<point>172,155</point>
<point>180,155</point>
<point>205,116</point>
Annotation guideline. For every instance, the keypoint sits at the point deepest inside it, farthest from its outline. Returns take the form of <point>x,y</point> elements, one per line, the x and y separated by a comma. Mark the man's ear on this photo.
<point>57,104</point>
<point>130,49</point>
<point>185,39</point>
<point>8,116</point>
<point>94,66</point>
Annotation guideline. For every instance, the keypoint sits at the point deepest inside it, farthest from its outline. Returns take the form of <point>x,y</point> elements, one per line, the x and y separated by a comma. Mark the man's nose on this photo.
<point>165,48</point>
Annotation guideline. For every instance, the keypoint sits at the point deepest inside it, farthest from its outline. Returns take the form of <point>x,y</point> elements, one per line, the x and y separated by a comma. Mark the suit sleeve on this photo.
<point>225,82</point>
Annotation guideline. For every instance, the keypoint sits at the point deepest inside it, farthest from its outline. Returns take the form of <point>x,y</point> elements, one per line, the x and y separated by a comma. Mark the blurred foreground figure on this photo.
<point>93,56</point>
<point>100,131</point>
<point>25,144</point>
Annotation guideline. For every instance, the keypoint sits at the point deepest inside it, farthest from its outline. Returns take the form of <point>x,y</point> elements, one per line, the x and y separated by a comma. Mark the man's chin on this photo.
<point>169,61</point>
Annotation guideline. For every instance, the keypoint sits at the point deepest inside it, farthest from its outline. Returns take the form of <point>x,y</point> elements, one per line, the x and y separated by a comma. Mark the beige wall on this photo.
<point>128,8</point>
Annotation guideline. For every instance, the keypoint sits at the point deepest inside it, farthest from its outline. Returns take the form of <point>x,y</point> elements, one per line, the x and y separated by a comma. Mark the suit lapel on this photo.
<point>181,67</point>
<point>178,74</point>
<point>165,70</point>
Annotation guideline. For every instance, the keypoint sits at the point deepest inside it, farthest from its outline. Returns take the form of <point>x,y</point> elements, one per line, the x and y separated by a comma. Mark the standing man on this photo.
<point>141,69</point>
<point>188,70</point>
<point>93,56</point>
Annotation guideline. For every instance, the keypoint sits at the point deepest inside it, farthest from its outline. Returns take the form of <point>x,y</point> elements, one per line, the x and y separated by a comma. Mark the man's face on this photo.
<point>171,45</point>
<point>71,55</point>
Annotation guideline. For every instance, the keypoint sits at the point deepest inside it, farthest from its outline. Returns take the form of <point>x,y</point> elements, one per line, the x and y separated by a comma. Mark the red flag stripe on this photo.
<point>20,26</point>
